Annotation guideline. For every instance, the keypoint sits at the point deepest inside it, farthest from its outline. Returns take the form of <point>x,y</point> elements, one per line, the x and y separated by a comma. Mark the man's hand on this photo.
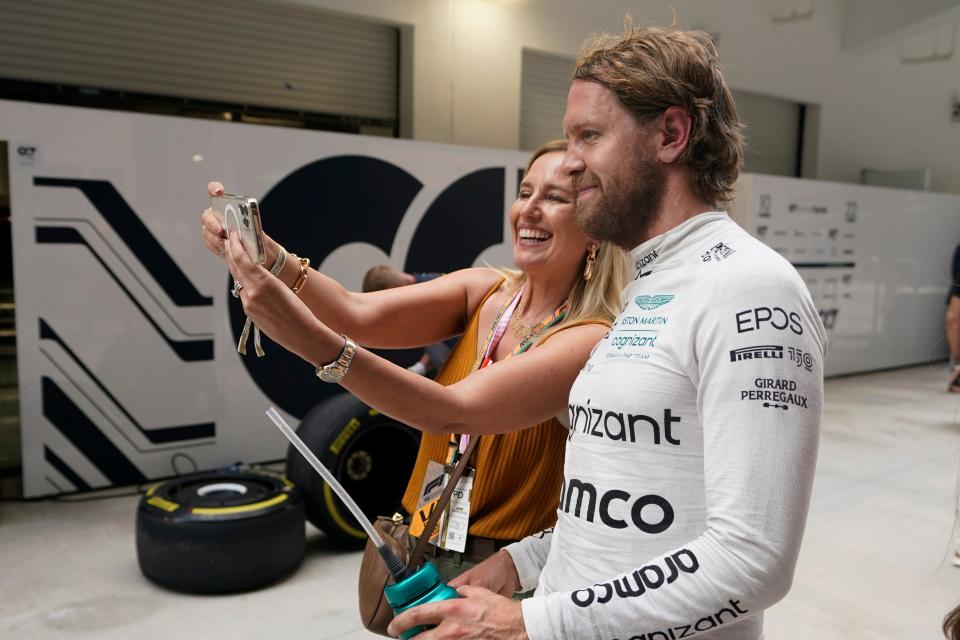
<point>497,573</point>
<point>478,615</point>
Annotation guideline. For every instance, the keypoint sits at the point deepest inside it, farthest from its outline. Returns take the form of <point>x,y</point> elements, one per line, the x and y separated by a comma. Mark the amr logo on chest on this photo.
<point>634,333</point>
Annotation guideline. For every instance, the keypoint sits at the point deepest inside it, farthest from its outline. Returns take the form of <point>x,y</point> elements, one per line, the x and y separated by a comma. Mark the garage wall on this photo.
<point>874,111</point>
<point>126,330</point>
<point>463,72</point>
<point>773,126</point>
<point>263,55</point>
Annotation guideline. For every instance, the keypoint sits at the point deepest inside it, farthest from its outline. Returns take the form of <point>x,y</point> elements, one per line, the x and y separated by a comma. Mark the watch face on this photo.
<point>330,375</point>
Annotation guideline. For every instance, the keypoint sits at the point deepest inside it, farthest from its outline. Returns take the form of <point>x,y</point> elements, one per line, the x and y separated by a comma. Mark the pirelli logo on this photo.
<point>765,351</point>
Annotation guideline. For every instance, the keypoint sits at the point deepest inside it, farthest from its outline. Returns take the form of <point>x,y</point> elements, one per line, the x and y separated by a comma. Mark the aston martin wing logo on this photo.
<point>649,303</point>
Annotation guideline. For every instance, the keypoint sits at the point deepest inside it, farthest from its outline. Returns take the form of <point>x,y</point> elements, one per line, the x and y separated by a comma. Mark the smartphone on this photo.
<point>242,214</point>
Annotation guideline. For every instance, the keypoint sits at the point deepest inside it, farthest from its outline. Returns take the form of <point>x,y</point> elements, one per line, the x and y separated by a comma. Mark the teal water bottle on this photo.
<point>422,586</point>
<point>411,586</point>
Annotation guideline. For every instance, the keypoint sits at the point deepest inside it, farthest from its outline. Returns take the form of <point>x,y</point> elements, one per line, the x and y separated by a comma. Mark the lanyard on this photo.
<point>493,340</point>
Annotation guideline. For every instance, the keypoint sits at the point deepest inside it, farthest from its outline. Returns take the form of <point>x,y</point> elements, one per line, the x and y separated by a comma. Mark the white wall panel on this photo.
<point>126,332</point>
<point>876,261</point>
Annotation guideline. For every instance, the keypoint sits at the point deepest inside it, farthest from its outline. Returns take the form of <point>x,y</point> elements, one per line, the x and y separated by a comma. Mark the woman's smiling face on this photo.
<point>546,238</point>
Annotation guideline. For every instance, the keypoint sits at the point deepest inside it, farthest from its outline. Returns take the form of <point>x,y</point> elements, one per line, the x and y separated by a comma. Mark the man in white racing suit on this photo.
<point>694,424</point>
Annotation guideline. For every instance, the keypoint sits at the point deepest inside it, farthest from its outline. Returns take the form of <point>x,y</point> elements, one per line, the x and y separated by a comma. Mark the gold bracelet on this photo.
<point>304,269</point>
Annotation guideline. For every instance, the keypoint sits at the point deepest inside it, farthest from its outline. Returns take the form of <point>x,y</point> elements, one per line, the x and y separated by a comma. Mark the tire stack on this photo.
<point>220,532</point>
<point>237,530</point>
<point>370,454</point>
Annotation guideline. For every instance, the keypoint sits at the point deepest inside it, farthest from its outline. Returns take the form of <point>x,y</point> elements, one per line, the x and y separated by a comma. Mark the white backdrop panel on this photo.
<point>106,397</point>
<point>127,335</point>
<point>876,260</point>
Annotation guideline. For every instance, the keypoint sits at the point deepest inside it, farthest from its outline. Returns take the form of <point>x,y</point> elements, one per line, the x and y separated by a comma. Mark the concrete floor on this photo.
<point>872,567</point>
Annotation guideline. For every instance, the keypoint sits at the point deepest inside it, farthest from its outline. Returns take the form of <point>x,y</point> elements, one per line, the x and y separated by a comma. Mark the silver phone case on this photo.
<point>242,214</point>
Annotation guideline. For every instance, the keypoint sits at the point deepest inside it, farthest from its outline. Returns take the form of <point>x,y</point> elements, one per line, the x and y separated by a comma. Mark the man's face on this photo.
<point>613,162</point>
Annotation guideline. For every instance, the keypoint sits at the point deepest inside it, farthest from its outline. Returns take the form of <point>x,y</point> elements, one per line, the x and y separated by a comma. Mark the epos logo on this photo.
<point>777,318</point>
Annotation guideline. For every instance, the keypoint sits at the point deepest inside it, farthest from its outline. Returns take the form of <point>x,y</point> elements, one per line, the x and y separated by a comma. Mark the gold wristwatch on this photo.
<point>335,371</point>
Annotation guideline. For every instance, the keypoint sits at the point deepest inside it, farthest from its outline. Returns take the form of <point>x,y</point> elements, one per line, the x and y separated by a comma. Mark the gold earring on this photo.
<point>591,259</point>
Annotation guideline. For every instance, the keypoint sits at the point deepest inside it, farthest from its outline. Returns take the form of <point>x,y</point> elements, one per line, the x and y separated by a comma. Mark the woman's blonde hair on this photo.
<point>594,299</point>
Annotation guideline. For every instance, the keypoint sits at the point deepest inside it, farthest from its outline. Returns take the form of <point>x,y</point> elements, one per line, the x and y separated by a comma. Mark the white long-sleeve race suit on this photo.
<point>691,452</point>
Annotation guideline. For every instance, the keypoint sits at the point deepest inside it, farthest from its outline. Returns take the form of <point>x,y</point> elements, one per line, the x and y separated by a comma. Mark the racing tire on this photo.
<point>370,454</point>
<point>220,532</point>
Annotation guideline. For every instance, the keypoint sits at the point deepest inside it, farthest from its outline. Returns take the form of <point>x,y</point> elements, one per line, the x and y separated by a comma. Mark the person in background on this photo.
<point>525,334</point>
<point>952,322</point>
<point>384,276</point>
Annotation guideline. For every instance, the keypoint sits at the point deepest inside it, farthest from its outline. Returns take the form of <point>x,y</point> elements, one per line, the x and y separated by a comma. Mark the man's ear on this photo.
<point>675,125</point>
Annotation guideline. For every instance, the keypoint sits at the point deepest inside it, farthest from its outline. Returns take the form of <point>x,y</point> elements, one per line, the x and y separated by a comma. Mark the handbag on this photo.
<point>375,611</point>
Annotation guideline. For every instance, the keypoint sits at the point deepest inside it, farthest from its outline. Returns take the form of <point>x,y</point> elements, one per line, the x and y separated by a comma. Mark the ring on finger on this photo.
<point>237,287</point>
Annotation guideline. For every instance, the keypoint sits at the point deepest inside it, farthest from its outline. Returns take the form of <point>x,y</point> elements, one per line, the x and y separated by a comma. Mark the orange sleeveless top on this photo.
<point>516,488</point>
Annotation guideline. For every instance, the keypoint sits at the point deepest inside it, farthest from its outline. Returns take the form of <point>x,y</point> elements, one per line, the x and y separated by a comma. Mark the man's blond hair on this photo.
<point>650,69</point>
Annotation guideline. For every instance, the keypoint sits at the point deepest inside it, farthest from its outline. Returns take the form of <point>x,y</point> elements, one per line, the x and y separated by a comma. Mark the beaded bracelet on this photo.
<point>280,261</point>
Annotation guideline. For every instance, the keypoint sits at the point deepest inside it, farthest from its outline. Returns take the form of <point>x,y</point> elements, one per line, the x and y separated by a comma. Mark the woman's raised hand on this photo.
<point>214,235</point>
<point>274,308</point>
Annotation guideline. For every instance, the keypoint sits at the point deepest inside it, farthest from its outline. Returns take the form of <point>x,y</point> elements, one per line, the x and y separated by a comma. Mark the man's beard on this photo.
<point>624,213</point>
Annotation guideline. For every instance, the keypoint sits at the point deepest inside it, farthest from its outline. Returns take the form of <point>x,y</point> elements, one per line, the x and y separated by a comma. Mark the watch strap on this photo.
<point>342,363</point>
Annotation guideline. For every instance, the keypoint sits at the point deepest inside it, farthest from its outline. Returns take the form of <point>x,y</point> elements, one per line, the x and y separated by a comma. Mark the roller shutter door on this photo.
<point>773,125</point>
<point>243,52</point>
<point>545,80</point>
<point>773,131</point>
